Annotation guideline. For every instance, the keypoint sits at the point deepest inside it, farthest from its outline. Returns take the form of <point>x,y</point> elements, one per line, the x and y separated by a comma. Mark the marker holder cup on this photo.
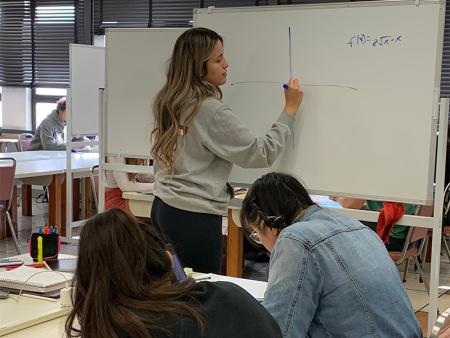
<point>51,246</point>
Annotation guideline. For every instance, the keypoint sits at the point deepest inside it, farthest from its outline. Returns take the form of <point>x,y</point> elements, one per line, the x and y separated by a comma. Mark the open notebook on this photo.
<point>43,282</point>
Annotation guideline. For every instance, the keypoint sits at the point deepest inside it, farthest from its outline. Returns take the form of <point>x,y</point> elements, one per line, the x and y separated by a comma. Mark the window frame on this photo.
<point>41,98</point>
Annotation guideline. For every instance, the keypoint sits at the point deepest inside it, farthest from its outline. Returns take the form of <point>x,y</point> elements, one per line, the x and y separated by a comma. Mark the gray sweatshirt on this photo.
<point>50,134</point>
<point>204,157</point>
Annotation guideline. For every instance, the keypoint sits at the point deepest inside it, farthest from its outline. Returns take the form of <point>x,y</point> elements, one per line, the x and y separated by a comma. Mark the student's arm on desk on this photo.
<point>294,287</point>
<point>124,182</point>
<point>49,142</point>
<point>126,185</point>
<point>348,202</point>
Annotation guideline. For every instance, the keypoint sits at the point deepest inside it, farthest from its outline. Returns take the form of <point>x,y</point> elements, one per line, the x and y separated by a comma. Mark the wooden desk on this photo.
<point>51,328</point>
<point>33,316</point>
<point>53,165</point>
<point>55,327</point>
<point>140,204</point>
<point>5,141</point>
<point>35,155</point>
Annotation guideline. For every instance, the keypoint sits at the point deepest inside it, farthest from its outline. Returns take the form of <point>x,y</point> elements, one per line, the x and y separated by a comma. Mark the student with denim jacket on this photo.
<point>329,275</point>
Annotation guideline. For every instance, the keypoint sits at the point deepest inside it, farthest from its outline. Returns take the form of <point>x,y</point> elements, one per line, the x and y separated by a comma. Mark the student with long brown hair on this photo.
<point>125,287</point>
<point>196,141</point>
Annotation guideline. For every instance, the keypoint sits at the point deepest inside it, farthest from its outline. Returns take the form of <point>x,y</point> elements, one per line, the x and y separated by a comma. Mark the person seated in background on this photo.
<point>124,286</point>
<point>118,182</point>
<point>50,133</point>
<point>395,239</point>
<point>329,275</point>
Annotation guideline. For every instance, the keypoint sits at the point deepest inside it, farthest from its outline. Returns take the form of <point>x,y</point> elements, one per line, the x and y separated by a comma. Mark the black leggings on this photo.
<point>197,237</point>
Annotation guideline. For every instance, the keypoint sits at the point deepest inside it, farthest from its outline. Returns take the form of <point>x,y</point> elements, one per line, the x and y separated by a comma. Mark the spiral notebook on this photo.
<point>42,281</point>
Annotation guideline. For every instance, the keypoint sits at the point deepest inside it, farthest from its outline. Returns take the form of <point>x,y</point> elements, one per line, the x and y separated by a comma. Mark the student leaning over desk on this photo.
<point>125,287</point>
<point>50,133</point>
<point>329,275</point>
<point>196,141</point>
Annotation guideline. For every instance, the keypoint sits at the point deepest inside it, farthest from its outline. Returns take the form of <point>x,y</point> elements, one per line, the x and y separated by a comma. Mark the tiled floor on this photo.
<point>253,270</point>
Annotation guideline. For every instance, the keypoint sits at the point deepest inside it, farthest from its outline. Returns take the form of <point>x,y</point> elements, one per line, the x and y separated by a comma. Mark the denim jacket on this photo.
<point>331,276</point>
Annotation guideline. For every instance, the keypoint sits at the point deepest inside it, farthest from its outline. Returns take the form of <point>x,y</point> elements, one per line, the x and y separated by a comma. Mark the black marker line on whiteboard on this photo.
<point>290,53</point>
<point>303,84</point>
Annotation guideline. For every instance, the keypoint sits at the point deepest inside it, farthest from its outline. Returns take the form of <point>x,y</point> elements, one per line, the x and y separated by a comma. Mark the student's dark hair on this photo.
<point>124,283</point>
<point>276,199</point>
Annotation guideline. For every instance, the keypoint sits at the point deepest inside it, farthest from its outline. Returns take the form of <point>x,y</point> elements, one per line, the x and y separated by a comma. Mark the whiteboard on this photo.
<point>136,70</point>
<point>371,74</point>
<point>87,75</point>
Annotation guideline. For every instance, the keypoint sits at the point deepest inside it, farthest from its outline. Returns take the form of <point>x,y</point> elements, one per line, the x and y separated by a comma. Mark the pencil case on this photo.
<point>51,244</point>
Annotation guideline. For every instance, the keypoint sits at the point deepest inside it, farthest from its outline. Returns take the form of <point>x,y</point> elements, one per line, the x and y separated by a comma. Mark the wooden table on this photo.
<point>51,164</point>
<point>5,141</point>
<point>54,327</point>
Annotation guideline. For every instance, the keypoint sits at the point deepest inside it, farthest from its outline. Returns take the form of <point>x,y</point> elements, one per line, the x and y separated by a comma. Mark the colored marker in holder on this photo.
<point>40,249</point>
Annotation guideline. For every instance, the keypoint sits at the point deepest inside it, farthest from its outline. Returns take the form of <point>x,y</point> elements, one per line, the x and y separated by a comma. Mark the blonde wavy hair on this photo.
<point>183,91</point>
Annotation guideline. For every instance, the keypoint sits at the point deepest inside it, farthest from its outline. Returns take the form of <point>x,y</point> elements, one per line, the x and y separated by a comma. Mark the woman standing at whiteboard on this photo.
<point>196,141</point>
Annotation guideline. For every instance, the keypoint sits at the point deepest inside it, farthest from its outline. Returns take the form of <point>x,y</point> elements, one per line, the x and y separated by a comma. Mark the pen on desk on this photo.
<point>46,265</point>
<point>202,278</point>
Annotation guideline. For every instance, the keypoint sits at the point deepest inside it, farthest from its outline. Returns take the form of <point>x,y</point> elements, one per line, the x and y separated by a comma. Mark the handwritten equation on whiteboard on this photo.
<point>362,39</point>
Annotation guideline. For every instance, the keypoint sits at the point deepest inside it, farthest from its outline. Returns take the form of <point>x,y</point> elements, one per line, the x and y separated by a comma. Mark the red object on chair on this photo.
<point>389,215</point>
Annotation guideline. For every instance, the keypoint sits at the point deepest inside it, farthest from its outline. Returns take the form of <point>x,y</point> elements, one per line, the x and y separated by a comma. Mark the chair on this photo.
<point>25,141</point>
<point>446,239</point>
<point>94,184</point>
<point>416,243</point>
<point>441,328</point>
<point>7,173</point>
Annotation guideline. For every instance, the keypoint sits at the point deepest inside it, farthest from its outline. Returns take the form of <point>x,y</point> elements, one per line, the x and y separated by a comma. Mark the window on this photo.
<point>120,13</point>
<point>45,101</point>
<point>35,37</point>
<point>54,30</point>
<point>15,42</point>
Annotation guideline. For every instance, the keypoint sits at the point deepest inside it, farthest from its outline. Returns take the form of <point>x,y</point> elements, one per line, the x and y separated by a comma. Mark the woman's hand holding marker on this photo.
<point>293,93</point>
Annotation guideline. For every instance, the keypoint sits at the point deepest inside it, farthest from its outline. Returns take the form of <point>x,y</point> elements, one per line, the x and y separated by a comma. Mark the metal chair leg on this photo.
<point>13,233</point>
<point>406,270</point>
<point>445,245</point>
<point>422,274</point>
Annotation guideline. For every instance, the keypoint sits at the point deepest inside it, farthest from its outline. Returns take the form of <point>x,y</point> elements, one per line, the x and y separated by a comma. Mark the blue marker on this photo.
<point>285,86</point>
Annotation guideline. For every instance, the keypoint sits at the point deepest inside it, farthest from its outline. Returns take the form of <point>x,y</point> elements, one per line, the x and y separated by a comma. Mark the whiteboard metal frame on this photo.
<point>71,145</point>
